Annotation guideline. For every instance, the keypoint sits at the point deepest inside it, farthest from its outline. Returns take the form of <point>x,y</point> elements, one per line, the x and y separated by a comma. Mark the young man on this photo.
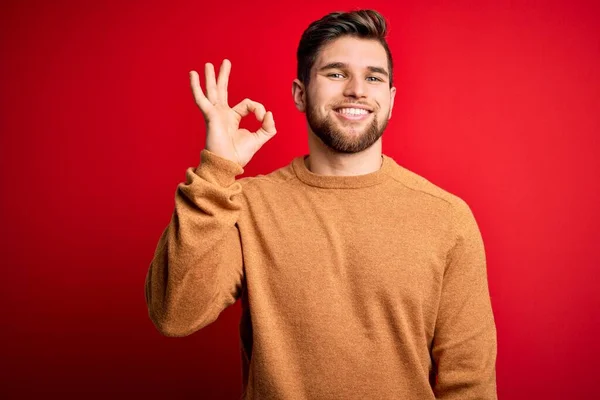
<point>358,278</point>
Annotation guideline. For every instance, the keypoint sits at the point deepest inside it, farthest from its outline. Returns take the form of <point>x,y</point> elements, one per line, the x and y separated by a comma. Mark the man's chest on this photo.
<point>338,251</point>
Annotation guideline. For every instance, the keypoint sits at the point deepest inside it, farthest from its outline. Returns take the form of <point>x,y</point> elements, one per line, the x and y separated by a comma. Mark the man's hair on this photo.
<point>363,24</point>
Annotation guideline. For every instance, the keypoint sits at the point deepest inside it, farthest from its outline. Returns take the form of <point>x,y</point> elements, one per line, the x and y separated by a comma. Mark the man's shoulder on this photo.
<point>277,176</point>
<point>422,186</point>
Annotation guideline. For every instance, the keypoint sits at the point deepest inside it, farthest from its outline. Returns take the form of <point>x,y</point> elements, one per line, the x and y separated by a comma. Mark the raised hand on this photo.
<point>223,134</point>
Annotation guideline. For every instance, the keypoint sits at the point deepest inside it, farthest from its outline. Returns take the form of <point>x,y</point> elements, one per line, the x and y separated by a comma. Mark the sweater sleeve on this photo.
<point>465,345</point>
<point>197,269</point>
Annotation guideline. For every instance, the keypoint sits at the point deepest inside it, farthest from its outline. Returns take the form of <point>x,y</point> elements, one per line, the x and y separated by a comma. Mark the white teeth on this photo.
<point>353,111</point>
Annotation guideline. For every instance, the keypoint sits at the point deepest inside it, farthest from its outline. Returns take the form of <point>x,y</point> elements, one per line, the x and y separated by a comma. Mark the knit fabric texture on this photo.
<point>352,287</point>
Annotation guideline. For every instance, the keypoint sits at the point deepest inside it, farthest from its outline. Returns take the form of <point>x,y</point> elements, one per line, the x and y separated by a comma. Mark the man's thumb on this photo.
<point>267,130</point>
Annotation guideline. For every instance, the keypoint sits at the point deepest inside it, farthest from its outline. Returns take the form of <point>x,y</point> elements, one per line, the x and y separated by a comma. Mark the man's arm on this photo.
<point>464,345</point>
<point>197,269</point>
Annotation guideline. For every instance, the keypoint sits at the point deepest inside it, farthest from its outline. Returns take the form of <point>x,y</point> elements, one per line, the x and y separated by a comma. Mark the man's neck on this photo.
<point>324,161</point>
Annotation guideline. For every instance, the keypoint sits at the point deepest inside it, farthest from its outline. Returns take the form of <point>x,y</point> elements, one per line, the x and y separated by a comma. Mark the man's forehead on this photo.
<point>355,52</point>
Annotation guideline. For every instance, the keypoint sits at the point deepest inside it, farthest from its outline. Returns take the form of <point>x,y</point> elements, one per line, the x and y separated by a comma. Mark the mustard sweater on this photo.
<point>353,287</point>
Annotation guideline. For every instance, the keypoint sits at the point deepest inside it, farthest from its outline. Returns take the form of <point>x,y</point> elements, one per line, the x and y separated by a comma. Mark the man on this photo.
<point>358,278</point>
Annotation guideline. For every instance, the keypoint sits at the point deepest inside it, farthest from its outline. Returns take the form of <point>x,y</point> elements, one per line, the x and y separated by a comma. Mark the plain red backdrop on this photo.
<point>498,102</point>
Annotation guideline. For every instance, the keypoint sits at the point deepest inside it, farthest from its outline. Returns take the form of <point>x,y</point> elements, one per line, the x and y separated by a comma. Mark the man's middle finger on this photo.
<point>223,80</point>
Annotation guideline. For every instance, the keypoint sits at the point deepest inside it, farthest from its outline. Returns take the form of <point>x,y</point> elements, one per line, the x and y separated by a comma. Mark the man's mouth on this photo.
<point>354,113</point>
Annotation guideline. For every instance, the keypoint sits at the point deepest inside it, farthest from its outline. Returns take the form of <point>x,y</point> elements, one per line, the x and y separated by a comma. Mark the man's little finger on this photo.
<point>199,97</point>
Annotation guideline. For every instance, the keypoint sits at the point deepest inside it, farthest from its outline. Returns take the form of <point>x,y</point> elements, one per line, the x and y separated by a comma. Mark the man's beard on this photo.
<point>332,135</point>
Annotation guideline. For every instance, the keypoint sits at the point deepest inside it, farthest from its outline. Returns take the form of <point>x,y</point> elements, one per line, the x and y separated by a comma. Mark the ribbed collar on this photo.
<point>342,182</point>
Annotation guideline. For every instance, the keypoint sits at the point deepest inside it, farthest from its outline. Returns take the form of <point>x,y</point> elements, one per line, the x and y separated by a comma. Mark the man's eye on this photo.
<point>374,79</point>
<point>335,75</point>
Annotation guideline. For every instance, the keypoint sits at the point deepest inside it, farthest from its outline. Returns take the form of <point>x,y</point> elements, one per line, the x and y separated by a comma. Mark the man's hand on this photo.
<point>223,134</point>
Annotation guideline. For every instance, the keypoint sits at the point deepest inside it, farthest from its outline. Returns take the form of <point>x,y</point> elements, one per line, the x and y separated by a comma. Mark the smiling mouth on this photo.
<point>353,113</point>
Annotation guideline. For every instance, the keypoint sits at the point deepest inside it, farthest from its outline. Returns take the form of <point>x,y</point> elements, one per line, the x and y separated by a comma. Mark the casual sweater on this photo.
<point>352,287</point>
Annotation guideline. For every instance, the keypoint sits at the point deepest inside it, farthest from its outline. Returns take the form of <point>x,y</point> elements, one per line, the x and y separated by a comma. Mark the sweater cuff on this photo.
<point>217,169</point>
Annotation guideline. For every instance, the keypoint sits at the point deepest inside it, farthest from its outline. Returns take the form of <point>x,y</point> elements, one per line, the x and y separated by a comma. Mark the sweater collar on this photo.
<point>342,182</point>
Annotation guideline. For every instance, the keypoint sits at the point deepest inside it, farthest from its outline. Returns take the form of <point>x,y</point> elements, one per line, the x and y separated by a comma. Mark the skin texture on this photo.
<point>348,72</point>
<point>223,134</point>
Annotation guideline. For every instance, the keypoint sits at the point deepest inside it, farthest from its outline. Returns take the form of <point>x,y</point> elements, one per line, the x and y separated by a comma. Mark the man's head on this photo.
<point>344,79</point>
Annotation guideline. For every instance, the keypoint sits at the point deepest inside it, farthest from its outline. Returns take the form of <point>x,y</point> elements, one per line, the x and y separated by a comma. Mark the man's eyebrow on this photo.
<point>334,65</point>
<point>341,65</point>
<point>378,70</point>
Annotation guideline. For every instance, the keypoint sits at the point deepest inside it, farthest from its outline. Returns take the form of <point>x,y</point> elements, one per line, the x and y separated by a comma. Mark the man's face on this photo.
<point>348,99</point>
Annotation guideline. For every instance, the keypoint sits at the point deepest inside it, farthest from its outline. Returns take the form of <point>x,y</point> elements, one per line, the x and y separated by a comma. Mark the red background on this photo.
<point>498,102</point>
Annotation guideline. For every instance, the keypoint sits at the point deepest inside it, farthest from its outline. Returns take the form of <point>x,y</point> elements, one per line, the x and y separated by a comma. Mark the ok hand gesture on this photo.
<point>223,134</point>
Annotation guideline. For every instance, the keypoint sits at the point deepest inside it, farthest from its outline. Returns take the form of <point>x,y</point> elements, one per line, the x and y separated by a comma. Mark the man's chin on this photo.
<point>351,128</point>
<point>349,143</point>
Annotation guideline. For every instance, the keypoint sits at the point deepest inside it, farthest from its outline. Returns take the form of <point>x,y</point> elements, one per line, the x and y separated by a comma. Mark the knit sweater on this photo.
<point>352,287</point>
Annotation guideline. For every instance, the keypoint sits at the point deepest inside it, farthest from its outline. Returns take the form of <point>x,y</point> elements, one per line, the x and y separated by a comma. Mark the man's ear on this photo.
<point>299,95</point>
<point>392,97</point>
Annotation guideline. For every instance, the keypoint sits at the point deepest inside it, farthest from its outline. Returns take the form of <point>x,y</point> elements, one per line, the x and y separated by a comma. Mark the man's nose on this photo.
<point>355,88</point>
